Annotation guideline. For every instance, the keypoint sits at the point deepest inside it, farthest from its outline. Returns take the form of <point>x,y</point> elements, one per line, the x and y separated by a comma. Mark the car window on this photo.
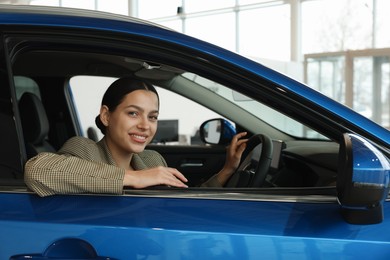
<point>187,100</point>
<point>179,117</point>
<point>262,112</point>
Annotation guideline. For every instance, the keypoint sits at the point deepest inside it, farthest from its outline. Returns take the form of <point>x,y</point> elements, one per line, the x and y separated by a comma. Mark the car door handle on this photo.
<point>191,163</point>
<point>65,249</point>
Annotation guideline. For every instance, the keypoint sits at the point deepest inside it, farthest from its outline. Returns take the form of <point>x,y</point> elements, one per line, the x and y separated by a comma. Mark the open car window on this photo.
<point>71,94</point>
<point>262,112</point>
<point>181,117</point>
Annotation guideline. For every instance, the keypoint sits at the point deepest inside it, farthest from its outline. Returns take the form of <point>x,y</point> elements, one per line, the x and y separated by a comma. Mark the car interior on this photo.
<point>48,117</point>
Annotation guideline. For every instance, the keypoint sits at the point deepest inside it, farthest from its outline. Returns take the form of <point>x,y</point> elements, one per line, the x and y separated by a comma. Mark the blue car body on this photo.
<point>176,228</point>
<point>188,224</point>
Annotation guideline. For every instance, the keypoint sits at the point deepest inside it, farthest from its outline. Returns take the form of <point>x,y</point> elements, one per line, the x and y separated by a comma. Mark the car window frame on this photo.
<point>12,150</point>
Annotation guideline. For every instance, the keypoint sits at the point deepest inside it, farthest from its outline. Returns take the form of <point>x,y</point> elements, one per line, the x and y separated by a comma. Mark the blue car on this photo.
<point>313,183</point>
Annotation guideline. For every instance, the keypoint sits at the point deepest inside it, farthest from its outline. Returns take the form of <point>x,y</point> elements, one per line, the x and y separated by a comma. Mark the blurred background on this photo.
<point>338,47</point>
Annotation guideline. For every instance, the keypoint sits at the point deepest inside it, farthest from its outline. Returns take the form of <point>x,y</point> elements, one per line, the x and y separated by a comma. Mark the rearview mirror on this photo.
<point>217,131</point>
<point>363,180</point>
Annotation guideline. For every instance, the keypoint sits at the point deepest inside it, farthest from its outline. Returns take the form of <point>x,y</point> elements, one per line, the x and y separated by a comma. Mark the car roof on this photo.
<point>16,10</point>
<point>60,17</point>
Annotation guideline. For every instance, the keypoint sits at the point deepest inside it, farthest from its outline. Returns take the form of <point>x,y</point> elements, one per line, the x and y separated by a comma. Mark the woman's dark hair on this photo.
<point>116,93</point>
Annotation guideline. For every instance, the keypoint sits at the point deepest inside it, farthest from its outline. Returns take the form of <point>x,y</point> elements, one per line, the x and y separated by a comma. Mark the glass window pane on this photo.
<point>325,74</point>
<point>192,6</point>
<point>372,88</point>
<point>263,112</point>
<point>265,32</point>
<point>362,86</point>
<point>208,28</point>
<point>385,95</point>
<point>148,9</point>
<point>313,73</point>
<point>335,25</point>
<point>382,27</point>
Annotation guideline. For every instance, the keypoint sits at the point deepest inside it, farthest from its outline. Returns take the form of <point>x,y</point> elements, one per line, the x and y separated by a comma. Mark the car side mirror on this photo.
<point>217,131</point>
<point>363,180</point>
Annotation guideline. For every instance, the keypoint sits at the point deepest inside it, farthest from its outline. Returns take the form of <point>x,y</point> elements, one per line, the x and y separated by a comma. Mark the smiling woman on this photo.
<point>128,120</point>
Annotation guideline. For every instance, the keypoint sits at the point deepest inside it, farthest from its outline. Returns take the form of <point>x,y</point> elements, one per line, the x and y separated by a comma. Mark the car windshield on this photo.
<point>272,117</point>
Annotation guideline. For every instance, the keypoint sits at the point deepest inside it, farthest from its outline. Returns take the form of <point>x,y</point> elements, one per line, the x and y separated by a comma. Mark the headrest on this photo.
<point>34,119</point>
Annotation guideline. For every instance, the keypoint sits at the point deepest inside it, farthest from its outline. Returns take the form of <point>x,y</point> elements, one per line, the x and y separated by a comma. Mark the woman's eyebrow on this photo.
<point>134,106</point>
<point>141,109</point>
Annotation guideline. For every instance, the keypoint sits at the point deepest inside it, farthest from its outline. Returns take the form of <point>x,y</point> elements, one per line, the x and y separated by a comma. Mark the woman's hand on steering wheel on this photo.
<point>254,164</point>
<point>233,157</point>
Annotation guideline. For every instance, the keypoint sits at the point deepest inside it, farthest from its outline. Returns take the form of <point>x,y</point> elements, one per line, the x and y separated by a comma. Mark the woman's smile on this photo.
<point>139,138</point>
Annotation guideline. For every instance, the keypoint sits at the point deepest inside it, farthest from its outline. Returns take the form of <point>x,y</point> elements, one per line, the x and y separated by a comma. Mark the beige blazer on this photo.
<point>84,166</point>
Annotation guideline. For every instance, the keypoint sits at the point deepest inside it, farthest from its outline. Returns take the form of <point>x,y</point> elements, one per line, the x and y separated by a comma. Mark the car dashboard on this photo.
<point>304,164</point>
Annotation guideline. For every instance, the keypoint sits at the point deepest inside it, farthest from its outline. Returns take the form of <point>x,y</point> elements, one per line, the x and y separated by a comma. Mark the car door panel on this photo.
<point>197,163</point>
<point>133,227</point>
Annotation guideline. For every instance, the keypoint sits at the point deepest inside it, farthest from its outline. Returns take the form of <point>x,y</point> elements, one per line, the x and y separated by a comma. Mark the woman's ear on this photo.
<point>104,115</point>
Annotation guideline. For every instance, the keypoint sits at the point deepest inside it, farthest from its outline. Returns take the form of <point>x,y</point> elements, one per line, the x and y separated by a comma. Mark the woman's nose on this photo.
<point>144,123</point>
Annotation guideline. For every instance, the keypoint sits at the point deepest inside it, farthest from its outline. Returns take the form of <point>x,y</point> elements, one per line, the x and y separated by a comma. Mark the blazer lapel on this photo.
<point>137,163</point>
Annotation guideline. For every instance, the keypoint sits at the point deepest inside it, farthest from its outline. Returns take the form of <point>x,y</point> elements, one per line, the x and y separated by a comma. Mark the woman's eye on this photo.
<point>132,113</point>
<point>153,118</point>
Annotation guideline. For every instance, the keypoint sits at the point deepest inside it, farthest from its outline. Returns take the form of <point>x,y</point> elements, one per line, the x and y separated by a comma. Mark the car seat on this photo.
<point>35,125</point>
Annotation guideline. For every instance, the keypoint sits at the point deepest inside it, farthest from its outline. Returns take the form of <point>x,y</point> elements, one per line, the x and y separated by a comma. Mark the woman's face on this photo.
<point>132,125</point>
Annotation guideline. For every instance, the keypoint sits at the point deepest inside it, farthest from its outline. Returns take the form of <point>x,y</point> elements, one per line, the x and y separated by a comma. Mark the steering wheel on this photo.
<point>255,162</point>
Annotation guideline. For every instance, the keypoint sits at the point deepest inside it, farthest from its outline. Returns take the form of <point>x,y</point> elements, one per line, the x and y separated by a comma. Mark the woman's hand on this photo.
<point>155,176</point>
<point>233,157</point>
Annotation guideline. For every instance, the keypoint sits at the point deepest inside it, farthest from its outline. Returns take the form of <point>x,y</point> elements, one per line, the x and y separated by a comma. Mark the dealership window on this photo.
<point>248,26</point>
<point>208,28</point>
<point>365,87</point>
<point>326,74</point>
<point>371,83</point>
<point>265,32</point>
<point>382,36</point>
<point>261,28</point>
<point>339,25</point>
